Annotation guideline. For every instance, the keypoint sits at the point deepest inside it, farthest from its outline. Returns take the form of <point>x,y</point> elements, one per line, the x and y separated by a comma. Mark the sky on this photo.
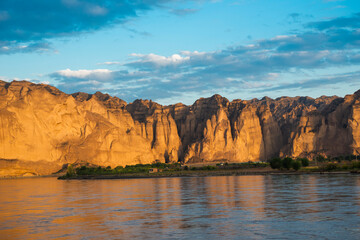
<point>174,51</point>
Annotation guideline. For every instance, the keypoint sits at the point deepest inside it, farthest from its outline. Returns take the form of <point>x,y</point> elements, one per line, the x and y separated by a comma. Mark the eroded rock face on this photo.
<point>42,128</point>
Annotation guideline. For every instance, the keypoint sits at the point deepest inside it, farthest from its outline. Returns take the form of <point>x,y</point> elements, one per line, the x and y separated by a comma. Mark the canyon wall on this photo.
<point>42,129</point>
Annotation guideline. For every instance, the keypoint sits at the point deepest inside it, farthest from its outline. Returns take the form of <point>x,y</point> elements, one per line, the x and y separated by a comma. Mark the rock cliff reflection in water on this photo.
<point>239,207</point>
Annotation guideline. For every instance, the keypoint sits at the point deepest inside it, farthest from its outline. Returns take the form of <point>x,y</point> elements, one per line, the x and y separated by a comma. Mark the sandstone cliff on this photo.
<point>42,128</point>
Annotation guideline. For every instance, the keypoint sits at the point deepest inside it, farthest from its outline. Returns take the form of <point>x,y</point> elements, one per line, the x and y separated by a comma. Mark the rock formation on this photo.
<point>42,128</point>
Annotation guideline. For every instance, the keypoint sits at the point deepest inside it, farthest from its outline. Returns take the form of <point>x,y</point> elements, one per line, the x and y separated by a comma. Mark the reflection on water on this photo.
<point>232,207</point>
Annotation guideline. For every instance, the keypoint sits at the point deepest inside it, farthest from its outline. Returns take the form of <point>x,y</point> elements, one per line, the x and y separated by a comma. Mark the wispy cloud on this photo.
<point>7,47</point>
<point>142,33</point>
<point>183,11</point>
<point>322,81</point>
<point>109,63</point>
<point>297,17</point>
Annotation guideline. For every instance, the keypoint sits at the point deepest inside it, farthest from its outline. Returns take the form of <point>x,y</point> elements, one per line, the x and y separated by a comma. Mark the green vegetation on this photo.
<point>163,169</point>
<point>276,163</point>
<point>203,168</point>
<point>296,165</point>
<point>304,161</point>
<point>288,163</point>
<point>320,158</point>
<point>243,165</point>
<point>70,171</point>
<point>332,166</point>
<point>138,168</point>
<point>349,158</point>
<point>319,163</point>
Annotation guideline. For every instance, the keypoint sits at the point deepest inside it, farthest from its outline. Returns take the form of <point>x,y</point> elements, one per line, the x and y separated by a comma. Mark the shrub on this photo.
<point>287,163</point>
<point>355,165</point>
<point>320,158</point>
<point>345,167</point>
<point>83,170</point>
<point>209,168</point>
<point>275,163</point>
<point>331,166</point>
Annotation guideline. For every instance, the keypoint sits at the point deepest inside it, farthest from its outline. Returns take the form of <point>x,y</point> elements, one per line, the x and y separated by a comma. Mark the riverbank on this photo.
<point>203,173</point>
<point>32,176</point>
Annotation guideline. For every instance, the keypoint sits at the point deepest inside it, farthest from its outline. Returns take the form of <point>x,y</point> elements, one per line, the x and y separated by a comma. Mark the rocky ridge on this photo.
<point>42,128</point>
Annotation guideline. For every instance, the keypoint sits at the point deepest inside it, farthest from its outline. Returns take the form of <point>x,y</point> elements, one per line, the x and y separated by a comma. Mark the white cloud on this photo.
<point>109,63</point>
<point>282,37</point>
<point>159,60</point>
<point>102,74</point>
<point>193,54</point>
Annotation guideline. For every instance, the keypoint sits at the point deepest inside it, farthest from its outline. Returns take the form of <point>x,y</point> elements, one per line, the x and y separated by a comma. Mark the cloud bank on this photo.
<point>261,67</point>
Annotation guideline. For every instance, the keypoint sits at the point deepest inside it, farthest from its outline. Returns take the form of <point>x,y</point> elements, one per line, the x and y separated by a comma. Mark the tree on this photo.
<point>287,162</point>
<point>70,171</point>
<point>304,162</point>
<point>275,163</point>
<point>296,165</point>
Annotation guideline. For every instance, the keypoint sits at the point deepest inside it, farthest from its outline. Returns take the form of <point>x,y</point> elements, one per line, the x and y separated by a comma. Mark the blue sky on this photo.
<point>178,51</point>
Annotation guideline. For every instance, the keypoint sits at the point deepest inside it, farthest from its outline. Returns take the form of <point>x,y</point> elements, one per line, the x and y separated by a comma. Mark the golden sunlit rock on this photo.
<point>42,128</point>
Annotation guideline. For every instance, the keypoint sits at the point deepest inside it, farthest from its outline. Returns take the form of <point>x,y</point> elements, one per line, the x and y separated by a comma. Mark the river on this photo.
<point>231,207</point>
